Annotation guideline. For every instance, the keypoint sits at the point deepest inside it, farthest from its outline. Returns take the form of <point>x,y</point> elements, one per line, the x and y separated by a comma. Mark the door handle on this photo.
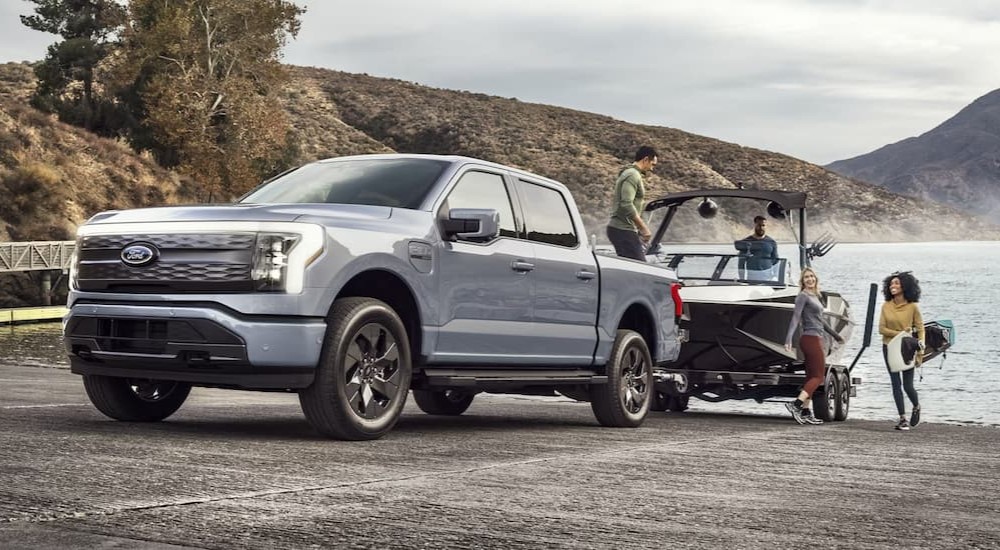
<point>585,275</point>
<point>521,266</point>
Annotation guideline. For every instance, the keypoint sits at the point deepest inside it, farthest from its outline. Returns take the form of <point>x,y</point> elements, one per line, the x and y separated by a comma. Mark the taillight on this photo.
<point>675,293</point>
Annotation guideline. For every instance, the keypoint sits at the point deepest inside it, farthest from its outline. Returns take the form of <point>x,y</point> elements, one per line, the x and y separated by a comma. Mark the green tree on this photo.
<point>203,77</point>
<point>66,76</point>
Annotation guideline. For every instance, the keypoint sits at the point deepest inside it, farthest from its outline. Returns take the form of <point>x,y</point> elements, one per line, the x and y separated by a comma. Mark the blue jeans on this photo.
<point>900,381</point>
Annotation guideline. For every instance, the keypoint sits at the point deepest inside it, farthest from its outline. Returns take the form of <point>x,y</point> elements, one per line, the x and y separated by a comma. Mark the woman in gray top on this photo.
<point>809,316</point>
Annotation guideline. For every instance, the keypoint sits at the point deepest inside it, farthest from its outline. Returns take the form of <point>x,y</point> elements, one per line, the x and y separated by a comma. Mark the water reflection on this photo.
<point>32,344</point>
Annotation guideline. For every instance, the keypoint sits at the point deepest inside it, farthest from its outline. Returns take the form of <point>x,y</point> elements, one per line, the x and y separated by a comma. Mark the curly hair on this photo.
<point>910,284</point>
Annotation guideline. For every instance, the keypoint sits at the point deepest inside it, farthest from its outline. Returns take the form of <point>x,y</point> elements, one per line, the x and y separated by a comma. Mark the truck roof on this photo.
<point>455,160</point>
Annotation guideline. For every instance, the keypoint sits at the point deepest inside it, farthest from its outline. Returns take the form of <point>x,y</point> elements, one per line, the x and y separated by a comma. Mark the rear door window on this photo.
<point>547,217</point>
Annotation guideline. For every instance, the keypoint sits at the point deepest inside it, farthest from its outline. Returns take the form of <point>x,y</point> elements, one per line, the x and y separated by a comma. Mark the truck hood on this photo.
<point>245,212</point>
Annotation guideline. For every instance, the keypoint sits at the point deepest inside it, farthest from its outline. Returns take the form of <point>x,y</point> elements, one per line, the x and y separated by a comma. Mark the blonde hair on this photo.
<point>802,279</point>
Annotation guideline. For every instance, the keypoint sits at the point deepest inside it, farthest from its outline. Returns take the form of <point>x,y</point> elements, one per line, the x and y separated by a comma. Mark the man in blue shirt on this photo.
<point>758,253</point>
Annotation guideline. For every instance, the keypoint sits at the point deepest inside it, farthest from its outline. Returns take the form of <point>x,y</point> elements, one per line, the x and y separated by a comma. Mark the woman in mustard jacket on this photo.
<point>900,313</point>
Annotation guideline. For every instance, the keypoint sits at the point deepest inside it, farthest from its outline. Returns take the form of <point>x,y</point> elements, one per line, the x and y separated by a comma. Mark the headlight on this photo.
<point>270,261</point>
<point>74,267</point>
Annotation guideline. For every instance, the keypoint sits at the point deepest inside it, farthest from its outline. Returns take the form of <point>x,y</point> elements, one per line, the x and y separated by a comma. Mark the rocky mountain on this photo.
<point>957,163</point>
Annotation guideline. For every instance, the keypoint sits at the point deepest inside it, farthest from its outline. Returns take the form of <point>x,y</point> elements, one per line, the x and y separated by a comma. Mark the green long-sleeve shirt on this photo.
<point>628,199</point>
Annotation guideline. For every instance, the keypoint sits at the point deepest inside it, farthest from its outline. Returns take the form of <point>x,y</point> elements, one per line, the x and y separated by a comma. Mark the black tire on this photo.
<point>843,405</point>
<point>443,402</point>
<point>825,399</point>
<point>624,401</point>
<point>660,402</point>
<point>678,403</point>
<point>135,399</point>
<point>364,372</point>
<point>576,393</point>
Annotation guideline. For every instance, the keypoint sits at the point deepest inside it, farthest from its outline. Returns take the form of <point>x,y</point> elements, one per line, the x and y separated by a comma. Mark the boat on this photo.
<point>738,313</point>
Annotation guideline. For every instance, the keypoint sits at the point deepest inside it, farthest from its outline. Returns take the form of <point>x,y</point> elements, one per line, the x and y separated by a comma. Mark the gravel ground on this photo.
<point>245,470</point>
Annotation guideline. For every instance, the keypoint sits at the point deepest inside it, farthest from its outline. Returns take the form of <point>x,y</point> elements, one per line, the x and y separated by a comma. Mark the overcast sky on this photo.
<point>821,80</point>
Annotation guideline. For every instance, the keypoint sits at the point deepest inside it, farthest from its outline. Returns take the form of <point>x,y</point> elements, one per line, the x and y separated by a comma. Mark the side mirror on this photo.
<point>472,223</point>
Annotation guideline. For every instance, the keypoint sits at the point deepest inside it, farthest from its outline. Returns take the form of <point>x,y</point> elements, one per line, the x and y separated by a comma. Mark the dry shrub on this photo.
<point>33,191</point>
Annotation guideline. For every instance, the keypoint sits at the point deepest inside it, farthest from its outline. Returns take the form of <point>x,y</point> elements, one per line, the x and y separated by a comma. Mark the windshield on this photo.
<point>398,183</point>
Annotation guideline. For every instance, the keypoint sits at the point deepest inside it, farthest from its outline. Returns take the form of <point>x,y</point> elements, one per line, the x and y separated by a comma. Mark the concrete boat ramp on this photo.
<point>244,470</point>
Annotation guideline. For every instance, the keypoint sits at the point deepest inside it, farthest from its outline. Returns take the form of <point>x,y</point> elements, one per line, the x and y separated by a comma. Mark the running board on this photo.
<point>499,378</point>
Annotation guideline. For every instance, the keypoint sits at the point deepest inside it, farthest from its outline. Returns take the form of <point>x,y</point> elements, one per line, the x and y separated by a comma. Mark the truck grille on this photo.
<point>181,263</point>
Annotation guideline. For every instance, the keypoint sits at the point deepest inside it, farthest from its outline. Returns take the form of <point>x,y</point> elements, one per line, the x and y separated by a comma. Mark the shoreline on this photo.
<point>29,315</point>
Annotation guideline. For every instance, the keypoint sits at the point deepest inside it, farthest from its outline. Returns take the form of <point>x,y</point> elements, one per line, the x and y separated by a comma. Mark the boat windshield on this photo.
<point>707,268</point>
<point>708,249</point>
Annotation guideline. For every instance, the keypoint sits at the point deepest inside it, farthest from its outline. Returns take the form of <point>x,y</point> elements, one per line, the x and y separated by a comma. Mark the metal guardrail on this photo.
<point>36,256</point>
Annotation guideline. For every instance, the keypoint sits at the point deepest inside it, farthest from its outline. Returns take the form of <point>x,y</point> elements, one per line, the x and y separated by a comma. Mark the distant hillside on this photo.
<point>956,163</point>
<point>336,113</point>
<point>340,113</point>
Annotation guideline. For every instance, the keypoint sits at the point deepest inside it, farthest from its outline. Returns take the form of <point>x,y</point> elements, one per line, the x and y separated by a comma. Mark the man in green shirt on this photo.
<point>626,230</point>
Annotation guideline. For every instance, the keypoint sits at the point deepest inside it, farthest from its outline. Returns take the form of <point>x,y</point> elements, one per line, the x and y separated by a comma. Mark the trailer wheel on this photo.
<point>825,400</point>
<point>624,401</point>
<point>443,402</point>
<point>843,396</point>
<point>364,372</point>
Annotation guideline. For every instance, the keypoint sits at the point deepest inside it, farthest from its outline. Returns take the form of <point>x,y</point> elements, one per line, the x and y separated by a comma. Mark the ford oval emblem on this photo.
<point>138,255</point>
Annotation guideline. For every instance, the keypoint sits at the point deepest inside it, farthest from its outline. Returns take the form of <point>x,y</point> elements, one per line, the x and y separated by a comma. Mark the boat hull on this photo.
<point>749,335</point>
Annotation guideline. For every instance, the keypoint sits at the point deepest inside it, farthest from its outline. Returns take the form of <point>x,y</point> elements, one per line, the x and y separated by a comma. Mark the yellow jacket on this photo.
<point>898,318</point>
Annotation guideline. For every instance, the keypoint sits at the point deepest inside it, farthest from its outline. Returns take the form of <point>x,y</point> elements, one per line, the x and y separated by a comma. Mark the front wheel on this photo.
<point>443,402</point>
<point>624,401</point>
<point>135,399</point>
<point>364,372</point>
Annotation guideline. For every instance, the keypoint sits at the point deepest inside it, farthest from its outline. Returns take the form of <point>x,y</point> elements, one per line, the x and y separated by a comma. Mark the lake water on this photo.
<point>957,283</point>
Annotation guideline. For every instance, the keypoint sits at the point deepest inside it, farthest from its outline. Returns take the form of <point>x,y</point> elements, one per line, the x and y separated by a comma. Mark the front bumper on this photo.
<point>203,345</point>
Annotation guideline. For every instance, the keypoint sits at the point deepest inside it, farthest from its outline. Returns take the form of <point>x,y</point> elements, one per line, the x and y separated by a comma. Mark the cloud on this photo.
<point>817,79</point>
<point>17,42</point>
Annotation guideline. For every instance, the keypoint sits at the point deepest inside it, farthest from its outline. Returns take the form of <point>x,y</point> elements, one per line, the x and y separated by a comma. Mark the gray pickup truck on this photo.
<point>352,281</point>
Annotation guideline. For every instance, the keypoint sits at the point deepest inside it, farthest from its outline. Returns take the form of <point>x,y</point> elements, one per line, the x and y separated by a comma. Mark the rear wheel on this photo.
<point>135,399</point>
<point>364,373</point>
<point>825,401</point>
<point>843,404</point>
<point>624,401</point>
<point>443,402</point>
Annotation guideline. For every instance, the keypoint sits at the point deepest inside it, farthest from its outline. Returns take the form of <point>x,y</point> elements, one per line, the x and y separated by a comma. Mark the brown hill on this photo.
<point>956,163</point>
<point>586,150</point>
<point>336,113</point>
<point>53,175</point>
